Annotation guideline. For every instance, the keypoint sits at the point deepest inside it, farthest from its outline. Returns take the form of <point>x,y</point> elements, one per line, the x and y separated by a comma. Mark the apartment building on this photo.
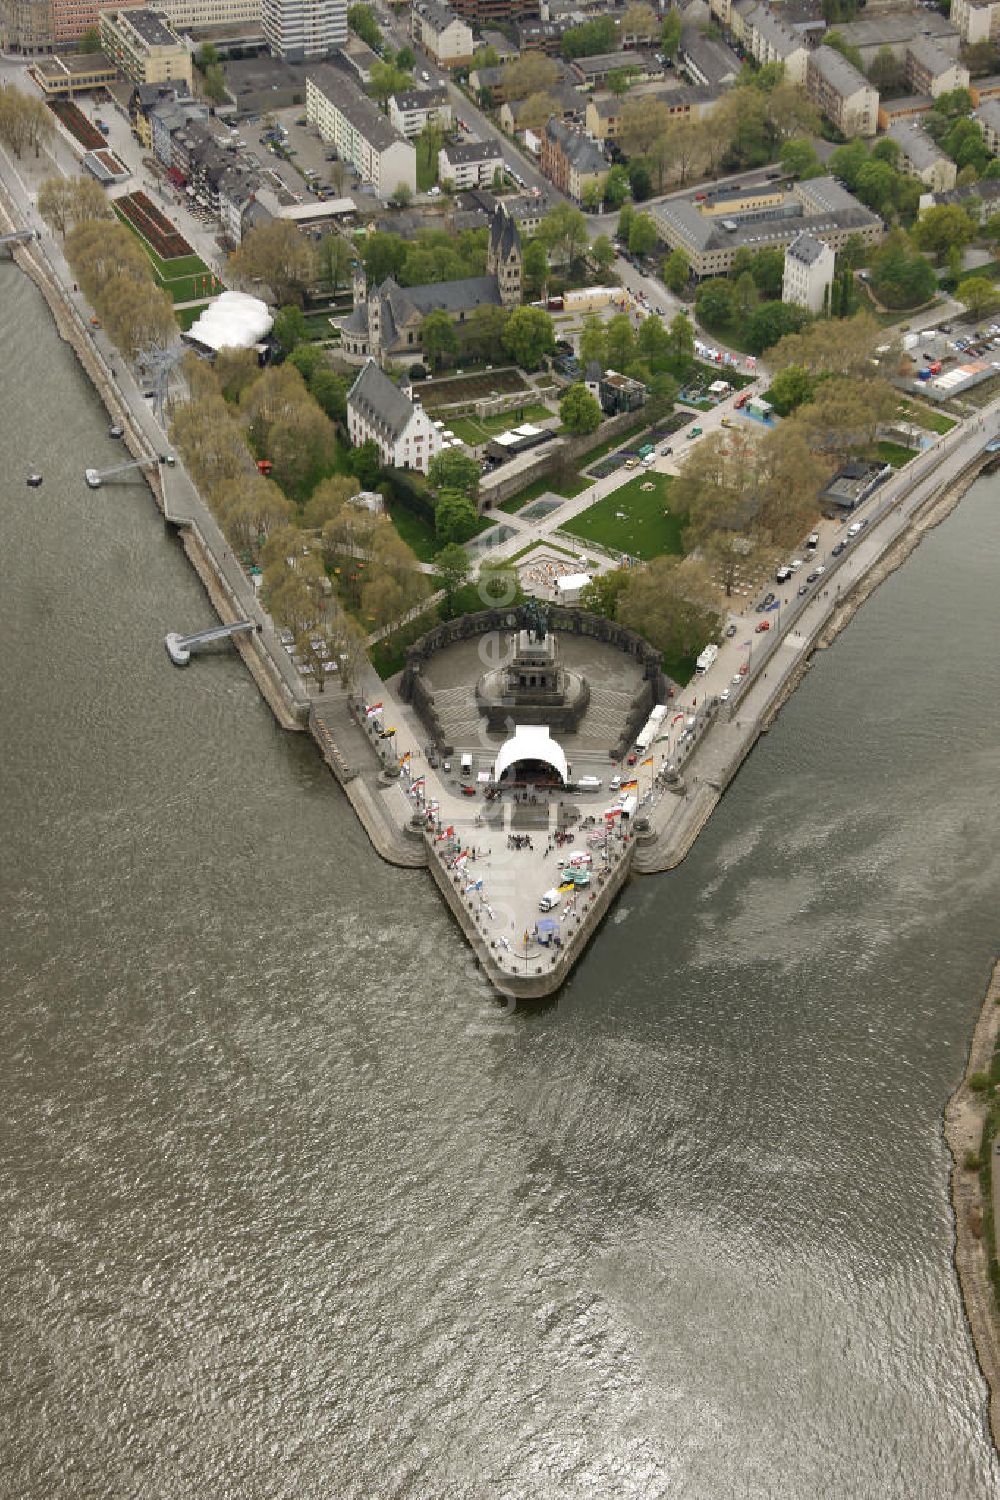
<point>841,93</point>
<point>896,30</point>
<point>604,111</point>
<point>808,273</point>
<point>769,40</point>
<point>932,70</point>
<point>443,35</point>
<point>144,47</point>
<point>412,112</point>
<point>362,135</point>
<point>379,412</point>
<point>571,160</point>
<point>300,30</point>
<point>707,62</point>
<point>976,20</point>
<point>469,164</point>
<point>486,13</point>
<point>987,117</point>
<point>921,157</point>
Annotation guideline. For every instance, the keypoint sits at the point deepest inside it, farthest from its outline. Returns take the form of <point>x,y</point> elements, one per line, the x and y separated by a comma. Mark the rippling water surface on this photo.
<point>289,1211</point>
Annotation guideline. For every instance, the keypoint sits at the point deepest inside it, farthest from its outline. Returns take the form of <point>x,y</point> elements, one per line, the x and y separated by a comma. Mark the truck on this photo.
<point>706,659</point>
<point>550,899</point>
<point>466,766</point>
<point>645,451</point>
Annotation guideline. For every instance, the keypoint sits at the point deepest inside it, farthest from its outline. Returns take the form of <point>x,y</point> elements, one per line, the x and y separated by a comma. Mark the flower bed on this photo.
<point>155,228</point>
<point>76,123</point>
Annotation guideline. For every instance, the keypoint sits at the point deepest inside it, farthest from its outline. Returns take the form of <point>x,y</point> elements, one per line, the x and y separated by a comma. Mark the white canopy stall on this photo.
<point>531,743</point>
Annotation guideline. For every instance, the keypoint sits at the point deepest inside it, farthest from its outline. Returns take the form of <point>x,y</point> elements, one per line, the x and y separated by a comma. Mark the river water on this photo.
<point>289,1210</point>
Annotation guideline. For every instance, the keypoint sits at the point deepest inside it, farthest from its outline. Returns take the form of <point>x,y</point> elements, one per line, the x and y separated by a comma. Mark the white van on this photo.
<point>589,783</point>
<point>549,900</point>
<point>854,528</point>
<point>466,765</point>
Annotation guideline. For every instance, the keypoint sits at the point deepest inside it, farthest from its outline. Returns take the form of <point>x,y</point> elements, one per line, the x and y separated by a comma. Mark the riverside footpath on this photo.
<point>416,814</point>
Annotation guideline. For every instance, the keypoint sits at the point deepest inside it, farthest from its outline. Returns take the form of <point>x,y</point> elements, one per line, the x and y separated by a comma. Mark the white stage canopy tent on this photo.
<point>235,320</point>
<point>531,742</point>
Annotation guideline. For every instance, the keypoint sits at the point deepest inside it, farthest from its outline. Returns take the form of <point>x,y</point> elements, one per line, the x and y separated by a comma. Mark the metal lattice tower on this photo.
<point>155,367</point>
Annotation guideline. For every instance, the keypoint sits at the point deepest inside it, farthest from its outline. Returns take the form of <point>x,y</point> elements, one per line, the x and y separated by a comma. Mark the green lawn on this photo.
<point>427,165</point>
<point>188,315</point>
<point>181,277</point>
<point>922,416</point>
<point>647,528</point>
<point>474,430</point>
<point>551,484</point>
<point>895,454</point>
<point>419,534</point>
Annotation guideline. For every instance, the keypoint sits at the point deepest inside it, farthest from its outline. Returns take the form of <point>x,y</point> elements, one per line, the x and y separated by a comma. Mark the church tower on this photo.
<point>503,257</point>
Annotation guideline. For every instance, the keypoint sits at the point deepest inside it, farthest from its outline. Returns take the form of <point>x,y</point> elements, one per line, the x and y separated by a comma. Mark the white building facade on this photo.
<point>297,30</point>
<point>809,266</point>
<point>379,412</point>
<point>361,133</point>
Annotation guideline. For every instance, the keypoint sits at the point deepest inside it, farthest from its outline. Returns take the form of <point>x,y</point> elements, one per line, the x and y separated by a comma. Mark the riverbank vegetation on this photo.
<point>987,1085</point>
<point>118,281</point>
<point>265,455</point>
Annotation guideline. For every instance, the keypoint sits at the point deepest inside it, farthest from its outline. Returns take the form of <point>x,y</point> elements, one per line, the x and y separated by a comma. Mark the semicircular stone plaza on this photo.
<point>591,682</point>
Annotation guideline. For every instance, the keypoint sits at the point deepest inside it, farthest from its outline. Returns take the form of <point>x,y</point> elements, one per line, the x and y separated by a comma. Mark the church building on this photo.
<point>386,321</point>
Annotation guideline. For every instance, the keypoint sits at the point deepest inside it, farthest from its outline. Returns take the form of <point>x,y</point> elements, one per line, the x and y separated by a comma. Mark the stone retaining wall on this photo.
<point>555,966</point>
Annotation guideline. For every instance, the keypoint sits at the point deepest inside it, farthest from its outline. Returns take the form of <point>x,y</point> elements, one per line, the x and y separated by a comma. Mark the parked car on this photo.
<point>816,573</point>
<point>694,433</point>
<point>767,599</point>
<point>838,549</point>
<point>730,632</point>
<point>761,626</point>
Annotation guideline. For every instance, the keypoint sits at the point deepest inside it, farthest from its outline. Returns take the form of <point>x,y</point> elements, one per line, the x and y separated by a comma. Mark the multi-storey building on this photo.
<point>769,40</point>
<point>808,273</point>
<point>469,164</point>
<point>987,117</point>
<point>976,20</point>
<point>895,30</point>
<point>442,34</point>
<point>26,27</point>
<point>604,111</point>
<point>412,112</point>
<point>299,30</point>
<point>571,160</point>
<point>485,13</point>
<point>841,93</point>
<point>708,62</point>
<point>144,47</point>
<point>932,70</point>
<point>711,229</point>
<point>921,157</point>
<point>379,412</point>
<point>361,133</point>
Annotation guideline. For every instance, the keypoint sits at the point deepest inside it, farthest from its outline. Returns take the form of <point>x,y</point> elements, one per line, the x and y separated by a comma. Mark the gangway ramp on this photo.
<point>180,648</point>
